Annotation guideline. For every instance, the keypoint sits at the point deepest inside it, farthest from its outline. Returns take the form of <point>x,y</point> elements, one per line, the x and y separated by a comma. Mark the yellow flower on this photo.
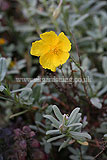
<point>52,49</point>
<point>2,41</point>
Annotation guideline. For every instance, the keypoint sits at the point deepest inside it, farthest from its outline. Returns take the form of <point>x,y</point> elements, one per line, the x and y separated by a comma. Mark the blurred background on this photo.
<point>21,22</point>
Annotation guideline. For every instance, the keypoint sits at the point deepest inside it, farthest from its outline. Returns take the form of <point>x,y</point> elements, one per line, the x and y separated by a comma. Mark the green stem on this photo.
<point>18,114</point>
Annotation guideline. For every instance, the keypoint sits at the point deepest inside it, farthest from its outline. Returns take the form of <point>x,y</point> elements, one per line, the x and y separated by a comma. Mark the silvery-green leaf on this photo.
<point>86,63</point>
<point>73,115</point>
<point>47,147</point>
<point>77,118</point>
<point>32,82</point>
<point>84,124</point>
<point>33,127</point>
<point>104,64</point>
<point>78,21</point>
<point>76,157</point>
<point>25,94</point>
<point>32,3</point>
<point>24,28</point>
<point>96,102</point>
<point>103,128</point>
<point>74,125</point>
<point>57,112</point>
<point>89,158</point>
<point>53,120</point>
<point>52,132</point>
<point>8,61</point>
<point>80,135</point>
<point>2,88</point>
<point>55,138</point>
<point>22,89</point>
<point>64,144</point>
<point>38,117</point>
<point>82,139</point>
<point>105,136</point>
<point>14,72</point>
<point>3,68</point>
<point>37,92</point>
<point>72,150</point>
<point>77,129</point>
<point>86,5</point>
<point>102,91</point>
<point>98,6</point>
<point>40,124</point>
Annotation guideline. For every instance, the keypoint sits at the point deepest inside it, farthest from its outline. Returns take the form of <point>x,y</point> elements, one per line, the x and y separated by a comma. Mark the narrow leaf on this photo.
<point>75,125</point>
<point>18,114</point>
<point>53,120</point>
<point>3,68</point>
<point>57,112</point>
<point>73,115</point>
<point>96,102</point>
<point>64,144</point>
<point>78,134</point>
<point>78,21</point>
<point>55,138</point>
<point>52,132</point>
<point>22,89</point>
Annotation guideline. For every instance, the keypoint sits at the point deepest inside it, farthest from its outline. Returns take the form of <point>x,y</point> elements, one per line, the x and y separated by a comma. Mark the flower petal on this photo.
<point>63,56</point>
<point>50,38</point>
<point>47,62</point>
<point>64,43</point>
<point>51,60</point>
<point>39,48</point>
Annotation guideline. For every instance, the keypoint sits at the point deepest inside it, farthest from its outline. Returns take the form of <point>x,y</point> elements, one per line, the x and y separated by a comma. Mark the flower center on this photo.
<point>54,51</point>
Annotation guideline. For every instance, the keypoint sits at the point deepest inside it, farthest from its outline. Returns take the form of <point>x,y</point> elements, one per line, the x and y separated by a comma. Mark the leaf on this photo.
<point>86,5</point>
<point>77,118</point>
<point>101,92</point>
<point>88,157</point>
<point>24,28</point>
<point>57,112</point>
<point>3,68</point>
<point>105,136</point>
<point>98,6</point>
<point>2,88</point>
<point>38,117</point>
<point>72,150</point>
<point>77,129</point>
<point>37,92</point>
<point>18,114</point>
<point>52,132</point>
<point>73,115</point>
<point>104,64</point>
<point>78,21</point>
<point>64,144</point>
<point>74,125</point>
<point>25,94</point>
<point>55,138</point>
<point>53,120</point>
<point>96,102</point>
<point>22,89</point>
<point>79,135</point>
<point>47,147</point>
<point>40,124</point>
<point>32,82</point>
<point>86,63</point>
<point>83,143</point>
